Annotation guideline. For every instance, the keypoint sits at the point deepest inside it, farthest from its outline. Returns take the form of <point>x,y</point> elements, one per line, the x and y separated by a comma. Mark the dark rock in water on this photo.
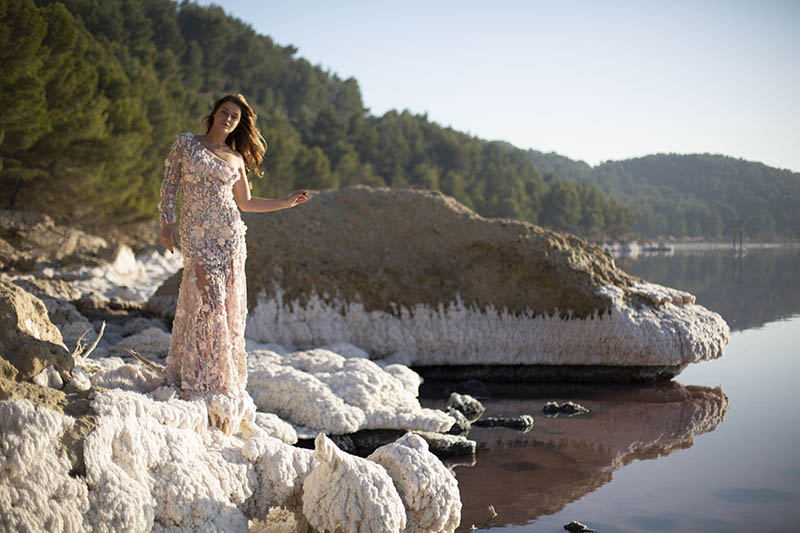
<point>471,408</point>
<point>461,426</point>
<point>29,341</point>
<point>522,423</point>
<point>367,441</point>
<point>566,408</point>
<point>577,527</point>
<point>443,445</point>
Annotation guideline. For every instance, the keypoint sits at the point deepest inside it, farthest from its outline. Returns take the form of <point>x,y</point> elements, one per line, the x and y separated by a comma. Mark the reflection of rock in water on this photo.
<point>533,474</point>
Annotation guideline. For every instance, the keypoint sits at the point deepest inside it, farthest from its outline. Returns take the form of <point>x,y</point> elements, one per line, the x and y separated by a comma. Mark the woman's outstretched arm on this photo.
<point>254,204</point>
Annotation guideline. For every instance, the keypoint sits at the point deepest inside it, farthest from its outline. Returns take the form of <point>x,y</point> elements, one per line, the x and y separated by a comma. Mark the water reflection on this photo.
<point>528,475</point>
<point>748,291</point>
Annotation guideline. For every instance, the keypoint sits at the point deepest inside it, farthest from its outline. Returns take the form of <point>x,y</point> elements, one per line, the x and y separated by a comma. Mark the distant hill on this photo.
<point>695,195</point>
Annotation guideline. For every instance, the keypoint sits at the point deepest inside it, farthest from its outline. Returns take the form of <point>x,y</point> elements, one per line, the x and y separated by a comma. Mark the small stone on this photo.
<point>461,426</point>
<point>566,408</point>
<point>577,527</point>
<point>469,406</point>
<point>523,423</point>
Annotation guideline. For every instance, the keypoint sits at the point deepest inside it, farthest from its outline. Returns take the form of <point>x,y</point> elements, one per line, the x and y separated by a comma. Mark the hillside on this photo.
<point>94,91</point>
<point>696,195</point>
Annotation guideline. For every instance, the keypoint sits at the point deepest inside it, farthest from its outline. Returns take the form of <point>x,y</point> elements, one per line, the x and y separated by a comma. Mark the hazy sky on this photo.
<point>592,80</point>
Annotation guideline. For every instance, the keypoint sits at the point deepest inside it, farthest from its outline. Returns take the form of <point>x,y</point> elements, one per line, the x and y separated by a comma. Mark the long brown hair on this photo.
<point>246,138</point>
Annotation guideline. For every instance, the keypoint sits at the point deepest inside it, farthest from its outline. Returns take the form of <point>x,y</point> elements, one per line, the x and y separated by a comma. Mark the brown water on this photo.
<point>717,449</point>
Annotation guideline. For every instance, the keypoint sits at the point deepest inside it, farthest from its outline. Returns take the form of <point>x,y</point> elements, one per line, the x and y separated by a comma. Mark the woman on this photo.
<point>207,351</point>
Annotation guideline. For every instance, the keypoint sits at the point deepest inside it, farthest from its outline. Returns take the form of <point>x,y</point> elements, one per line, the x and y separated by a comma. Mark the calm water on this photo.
<point>717,449</point>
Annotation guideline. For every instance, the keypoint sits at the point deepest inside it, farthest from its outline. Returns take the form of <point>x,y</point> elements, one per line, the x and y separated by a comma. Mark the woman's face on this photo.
<point>227,116</point>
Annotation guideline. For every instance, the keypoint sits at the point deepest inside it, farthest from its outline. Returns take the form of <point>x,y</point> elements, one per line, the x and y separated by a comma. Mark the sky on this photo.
<point>592,80</point>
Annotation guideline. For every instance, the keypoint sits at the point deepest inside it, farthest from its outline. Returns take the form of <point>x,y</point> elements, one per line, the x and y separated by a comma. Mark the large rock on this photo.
<point>28,340</point>
<point>417,276</point>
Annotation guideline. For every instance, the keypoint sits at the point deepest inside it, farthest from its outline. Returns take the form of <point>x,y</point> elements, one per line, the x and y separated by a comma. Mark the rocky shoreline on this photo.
<point>381,288</point>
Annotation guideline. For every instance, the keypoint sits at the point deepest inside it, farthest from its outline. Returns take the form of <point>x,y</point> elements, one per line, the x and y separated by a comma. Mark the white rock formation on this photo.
<point>347,493</point>
<point>428,489</point>
<point>281,470</point>
<point>323,390</point>
<point>36,490</point>
<point>275,427</point>
<point>148,468</point>
<point>674,332</point>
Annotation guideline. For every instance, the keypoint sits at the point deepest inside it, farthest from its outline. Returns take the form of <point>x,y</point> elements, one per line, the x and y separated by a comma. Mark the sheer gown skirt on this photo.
<point>207,350</point>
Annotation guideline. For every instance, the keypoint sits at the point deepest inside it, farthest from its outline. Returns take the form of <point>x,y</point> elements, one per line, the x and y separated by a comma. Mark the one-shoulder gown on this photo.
<point>207,350</point>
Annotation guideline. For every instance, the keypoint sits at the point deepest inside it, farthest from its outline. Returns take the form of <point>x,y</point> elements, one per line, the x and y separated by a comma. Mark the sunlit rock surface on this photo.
<point>528,475</point>
<point>28,339</point>
<point>417,276</point>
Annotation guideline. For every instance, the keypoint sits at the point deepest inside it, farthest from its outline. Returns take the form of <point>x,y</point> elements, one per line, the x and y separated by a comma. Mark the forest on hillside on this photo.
<point>92,92</point>
<point>693,196</point>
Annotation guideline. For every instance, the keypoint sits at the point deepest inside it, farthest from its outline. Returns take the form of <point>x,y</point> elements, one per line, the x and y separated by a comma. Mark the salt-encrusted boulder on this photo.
<point>348,493</point>
<point>323,390</point>
<point>281,472</point>
<point>414,272</point>
<point>28,340</point>
<point>428,489</point>
<point>276,427</point>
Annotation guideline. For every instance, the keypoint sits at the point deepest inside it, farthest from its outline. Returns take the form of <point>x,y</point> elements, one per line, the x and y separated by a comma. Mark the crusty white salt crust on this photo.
<point>666,328</point>
<point>322,390</point>
<point>156,465</point>
<point>36,490</point>
<point>428,489</point>
<point>347,493</point>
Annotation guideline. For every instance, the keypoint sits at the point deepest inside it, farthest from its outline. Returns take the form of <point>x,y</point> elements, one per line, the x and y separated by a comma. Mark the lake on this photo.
<point>716,449</point>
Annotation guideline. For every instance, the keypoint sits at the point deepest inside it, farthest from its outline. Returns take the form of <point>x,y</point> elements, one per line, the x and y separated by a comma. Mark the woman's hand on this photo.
<point>168,236</point>
<point>297,197</point>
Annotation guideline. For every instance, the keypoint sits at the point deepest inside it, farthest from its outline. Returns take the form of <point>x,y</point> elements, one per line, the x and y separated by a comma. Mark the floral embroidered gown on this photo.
<point>207,351</point>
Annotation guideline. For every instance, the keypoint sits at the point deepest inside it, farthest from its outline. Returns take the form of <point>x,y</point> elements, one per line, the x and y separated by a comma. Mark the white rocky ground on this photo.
<point>153,462</point>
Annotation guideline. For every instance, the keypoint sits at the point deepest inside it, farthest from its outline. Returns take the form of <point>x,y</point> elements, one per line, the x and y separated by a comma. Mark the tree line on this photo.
<point>695,195</point>
<point>93,92</point>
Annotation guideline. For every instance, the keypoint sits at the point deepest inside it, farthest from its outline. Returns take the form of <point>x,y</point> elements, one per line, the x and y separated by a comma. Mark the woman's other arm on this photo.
<point>254,204</point>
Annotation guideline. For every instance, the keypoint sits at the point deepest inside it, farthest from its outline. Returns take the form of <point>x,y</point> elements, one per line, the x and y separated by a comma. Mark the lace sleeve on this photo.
<point>172,179</point>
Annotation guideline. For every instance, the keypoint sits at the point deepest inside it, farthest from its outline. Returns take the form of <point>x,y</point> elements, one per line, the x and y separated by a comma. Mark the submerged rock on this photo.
<point>416,273</point>
<point>522,423</point>
<point>566,408</point>
<point>471,408</point>
<point>577,527</point>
